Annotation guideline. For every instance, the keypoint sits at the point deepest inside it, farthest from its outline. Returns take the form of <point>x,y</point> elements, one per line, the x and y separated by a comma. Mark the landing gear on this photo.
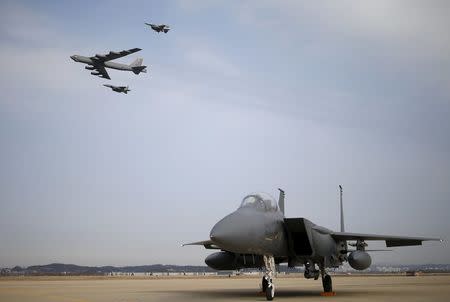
<point>267,284</point>
<point>264,284</point>
<point>327,284</point>
<point>270,292</point>
<point>311,271</point>
<point>326,280</point>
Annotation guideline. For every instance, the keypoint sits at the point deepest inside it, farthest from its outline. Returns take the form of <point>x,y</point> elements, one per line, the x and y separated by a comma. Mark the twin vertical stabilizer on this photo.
<point>281,200</point>
<point>342,208</point>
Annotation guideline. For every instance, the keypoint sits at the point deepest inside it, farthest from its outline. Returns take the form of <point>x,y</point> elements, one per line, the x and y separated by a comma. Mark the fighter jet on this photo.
<point>258,235</point>
<point>99,63</point>
<point>159,27</point>
<point>119,89</point>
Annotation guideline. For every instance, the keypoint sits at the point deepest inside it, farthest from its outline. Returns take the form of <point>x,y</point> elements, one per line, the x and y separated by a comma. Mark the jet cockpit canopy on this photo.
<point>260,201</point>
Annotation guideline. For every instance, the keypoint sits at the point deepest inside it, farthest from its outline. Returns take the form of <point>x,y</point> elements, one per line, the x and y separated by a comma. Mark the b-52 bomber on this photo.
<point>159,27</point>
<point>258,235</point>
<point>118,89</point>
<point>100,62</point>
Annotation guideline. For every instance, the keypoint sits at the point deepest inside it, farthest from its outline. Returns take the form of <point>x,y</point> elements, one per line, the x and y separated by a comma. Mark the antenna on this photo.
<point>342,208</point>
<point>281,200</point>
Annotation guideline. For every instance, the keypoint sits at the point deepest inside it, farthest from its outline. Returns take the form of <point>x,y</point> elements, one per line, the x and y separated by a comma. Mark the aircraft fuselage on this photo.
<point>108,64</point>
<point>246,231</point>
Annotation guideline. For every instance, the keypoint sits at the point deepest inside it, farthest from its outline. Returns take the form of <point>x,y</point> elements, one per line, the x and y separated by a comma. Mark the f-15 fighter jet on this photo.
<point>119,89</point>
<point>159,27</point>
<point>99,63</point>
<point>258,235</point>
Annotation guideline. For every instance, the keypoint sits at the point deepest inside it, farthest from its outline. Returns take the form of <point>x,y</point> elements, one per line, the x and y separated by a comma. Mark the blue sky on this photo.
<point>239,97</point>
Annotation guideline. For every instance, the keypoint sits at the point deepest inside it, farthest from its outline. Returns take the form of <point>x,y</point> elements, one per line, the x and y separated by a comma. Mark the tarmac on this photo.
<point>347,288</point>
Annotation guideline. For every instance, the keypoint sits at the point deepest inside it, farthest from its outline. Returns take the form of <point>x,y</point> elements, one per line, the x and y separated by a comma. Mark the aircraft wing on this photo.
<point>112,55</point>
<point>391,241</point>
<point>208,244</point>
<point>103,73</point>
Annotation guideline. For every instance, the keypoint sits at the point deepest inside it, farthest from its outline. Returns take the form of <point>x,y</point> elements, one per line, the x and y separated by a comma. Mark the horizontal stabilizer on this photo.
<point>139,69</point>
<point>366,250</point>
<point>391,241</point>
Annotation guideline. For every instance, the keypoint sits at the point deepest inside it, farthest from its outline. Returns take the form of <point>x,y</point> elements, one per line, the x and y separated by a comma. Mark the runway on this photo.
<point>347,288</point>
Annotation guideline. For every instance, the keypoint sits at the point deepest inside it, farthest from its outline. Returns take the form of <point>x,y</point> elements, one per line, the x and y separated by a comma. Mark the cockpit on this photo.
<point>261,201</point>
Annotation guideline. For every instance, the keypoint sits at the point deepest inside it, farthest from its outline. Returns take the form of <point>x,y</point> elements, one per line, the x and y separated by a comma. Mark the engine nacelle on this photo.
<point>89,67</point>
<point>231,261</point>
<point>359,260</point>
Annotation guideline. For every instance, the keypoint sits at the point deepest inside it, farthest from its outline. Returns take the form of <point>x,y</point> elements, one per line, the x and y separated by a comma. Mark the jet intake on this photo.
<point>89,67</point>
<point>359,260</point>
<point>231,261</point>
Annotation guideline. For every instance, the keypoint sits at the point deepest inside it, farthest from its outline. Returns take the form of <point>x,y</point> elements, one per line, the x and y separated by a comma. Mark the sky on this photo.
<point>239,97</point>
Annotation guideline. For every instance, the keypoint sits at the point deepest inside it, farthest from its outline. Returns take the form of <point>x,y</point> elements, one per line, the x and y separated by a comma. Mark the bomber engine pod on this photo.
<point>231,261</point>
<point>359,260</point>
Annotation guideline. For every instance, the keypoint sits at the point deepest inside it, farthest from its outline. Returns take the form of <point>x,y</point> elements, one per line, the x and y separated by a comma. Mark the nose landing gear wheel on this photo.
<point>270,292</point>
<point>327,284</point>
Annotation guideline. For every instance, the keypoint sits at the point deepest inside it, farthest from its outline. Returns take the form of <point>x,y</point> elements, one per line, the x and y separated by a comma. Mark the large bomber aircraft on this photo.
<point>258,235</point>
<point>99,63</point>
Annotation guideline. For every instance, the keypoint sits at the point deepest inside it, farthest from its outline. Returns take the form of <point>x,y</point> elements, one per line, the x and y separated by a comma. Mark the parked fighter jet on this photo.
<point>119,89</point>
<point>159,27</point>
<point>258,235</point>
<point>100,62</point>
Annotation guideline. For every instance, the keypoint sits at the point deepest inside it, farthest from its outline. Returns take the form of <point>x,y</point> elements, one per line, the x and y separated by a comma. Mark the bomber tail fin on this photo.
<point>137,66</point>
<point>281,200</point>
<point>137,62</point>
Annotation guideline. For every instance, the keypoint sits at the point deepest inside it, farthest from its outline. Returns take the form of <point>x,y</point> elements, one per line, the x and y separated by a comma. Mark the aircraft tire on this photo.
<point>270,292</point>
<point>327,284</point>
<point>264,284</point>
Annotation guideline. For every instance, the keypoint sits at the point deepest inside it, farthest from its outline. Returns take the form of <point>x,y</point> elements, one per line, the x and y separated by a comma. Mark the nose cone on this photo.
<point>238,232</point>
<point>73,58</point>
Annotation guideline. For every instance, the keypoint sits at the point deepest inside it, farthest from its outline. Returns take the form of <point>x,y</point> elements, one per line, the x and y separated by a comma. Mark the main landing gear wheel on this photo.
<point>270,292</point>
<point>264,284</point>
<point>327,284</point>
<point>269,269</point>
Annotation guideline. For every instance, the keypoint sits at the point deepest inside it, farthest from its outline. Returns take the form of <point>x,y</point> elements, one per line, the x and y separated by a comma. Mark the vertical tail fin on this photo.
<point>137,66</point>
<point>281,200</point>
<point>137,62</point>
<point>342,208</point>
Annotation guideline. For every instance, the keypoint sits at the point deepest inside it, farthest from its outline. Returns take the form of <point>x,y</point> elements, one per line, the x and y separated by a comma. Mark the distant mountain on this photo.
<point>72,269</point>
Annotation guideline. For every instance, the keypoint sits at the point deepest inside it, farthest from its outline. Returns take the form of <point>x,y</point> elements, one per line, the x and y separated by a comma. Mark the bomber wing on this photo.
<point>208,244</point>
<point>112,55</point>
<point>101,72</point>
<point>391,241</point>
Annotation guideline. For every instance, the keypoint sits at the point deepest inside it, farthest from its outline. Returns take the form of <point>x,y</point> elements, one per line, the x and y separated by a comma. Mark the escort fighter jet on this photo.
<point>159,27</point>
<point>119,89</point>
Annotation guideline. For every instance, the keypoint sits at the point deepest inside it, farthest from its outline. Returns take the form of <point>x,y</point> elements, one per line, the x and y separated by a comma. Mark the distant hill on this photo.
<point>72,269</point>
